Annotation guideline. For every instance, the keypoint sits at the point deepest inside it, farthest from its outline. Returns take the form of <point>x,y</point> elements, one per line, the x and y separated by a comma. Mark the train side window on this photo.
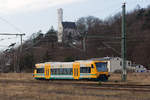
<point>40,70</point>
<point>71,71</point>
<point>68,71</point>
<point>92,66</point>
<point>52,71</point>
<point>65,71</point>
<point>61,71</point>
<point>85,69</point>
<point>57,72</point>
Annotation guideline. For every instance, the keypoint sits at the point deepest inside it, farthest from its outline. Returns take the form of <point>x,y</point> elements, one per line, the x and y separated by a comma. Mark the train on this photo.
<point>77,70</point>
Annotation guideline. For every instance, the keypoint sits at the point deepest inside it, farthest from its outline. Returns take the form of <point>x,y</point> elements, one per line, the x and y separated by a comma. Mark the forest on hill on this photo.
<point>102,38</point>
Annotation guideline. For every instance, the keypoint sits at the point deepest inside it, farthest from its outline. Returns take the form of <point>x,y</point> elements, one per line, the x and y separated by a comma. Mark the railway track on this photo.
<point>86,85</point>
<point>105,86</point>
<point>126,88</point>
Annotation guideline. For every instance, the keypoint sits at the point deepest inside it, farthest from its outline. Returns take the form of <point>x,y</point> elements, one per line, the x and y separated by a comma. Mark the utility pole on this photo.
<point>84,43</point>
<point>123,44</point>
<point>20,53</point>
<point>21,41</point>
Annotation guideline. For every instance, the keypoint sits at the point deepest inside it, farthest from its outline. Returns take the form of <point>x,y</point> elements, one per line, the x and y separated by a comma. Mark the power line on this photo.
<point>7,38</point>
<point>103,37</point>
<point>12,25</point>
<point>116,37</point>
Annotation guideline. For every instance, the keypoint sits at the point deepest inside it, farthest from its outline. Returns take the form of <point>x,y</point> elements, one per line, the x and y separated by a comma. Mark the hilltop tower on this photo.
<point>60,27</point>
<point>67,31</point>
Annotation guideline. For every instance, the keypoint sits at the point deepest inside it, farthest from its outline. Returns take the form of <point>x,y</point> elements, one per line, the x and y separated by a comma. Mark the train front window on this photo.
<point>101,66</point>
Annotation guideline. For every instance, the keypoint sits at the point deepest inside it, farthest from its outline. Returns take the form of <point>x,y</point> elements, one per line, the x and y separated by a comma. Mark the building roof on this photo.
<point>102,59</point>
<point>106,58</point>
<point>71,25</point>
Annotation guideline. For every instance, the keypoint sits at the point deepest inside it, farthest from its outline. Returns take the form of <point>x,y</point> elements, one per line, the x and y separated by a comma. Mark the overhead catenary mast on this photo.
<point>123,44</point>
<point>16,35</point>
<point>21,35</point>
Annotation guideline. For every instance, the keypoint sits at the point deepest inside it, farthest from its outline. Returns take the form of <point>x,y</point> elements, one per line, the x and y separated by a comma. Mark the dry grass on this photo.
<point>22,87</point>
<point>132,78</point>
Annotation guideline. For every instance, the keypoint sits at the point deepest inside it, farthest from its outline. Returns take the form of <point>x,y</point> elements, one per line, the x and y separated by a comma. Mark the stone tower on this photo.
<point>60,27</point>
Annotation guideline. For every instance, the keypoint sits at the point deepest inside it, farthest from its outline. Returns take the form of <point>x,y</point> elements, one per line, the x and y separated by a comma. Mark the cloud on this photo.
<point>12,6</point>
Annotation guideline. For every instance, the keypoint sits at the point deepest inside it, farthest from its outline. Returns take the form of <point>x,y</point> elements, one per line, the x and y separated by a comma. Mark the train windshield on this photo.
<point>101,66</point>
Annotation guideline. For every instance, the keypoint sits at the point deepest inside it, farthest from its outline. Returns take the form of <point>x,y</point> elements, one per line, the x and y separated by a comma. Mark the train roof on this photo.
<point>81,61</point>
<point>88,61</point>
<point>85,61</point>
<point>39,64</point>
<point>59,62</point>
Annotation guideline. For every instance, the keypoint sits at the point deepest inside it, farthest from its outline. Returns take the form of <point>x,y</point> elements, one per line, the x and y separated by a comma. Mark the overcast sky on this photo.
<point>29,16</point>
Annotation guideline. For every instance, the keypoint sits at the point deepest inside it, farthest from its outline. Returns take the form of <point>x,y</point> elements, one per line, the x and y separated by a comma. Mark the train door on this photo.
<point>47,71</point>
<point>76,70</point>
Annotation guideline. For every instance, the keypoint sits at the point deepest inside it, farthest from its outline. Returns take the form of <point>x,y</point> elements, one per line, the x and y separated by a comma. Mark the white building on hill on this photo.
<point>67,31</point>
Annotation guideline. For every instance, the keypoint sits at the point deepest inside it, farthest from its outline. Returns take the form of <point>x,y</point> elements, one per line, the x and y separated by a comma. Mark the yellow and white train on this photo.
<point>85,69</point>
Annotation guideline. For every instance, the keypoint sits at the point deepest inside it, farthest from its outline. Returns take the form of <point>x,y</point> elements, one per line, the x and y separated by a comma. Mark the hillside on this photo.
<point>107,43</point>
<point>102,40</point>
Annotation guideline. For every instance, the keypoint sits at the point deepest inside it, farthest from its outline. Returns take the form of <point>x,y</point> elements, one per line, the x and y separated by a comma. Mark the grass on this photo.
<point>22,86</point>
<point>132,78</point>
